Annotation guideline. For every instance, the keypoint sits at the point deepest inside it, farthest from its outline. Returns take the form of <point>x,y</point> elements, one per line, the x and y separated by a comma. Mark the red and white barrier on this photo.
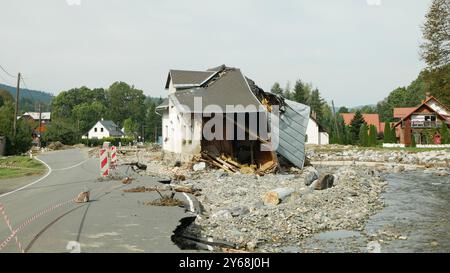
<point>104,163</point>
<point>113,155</point>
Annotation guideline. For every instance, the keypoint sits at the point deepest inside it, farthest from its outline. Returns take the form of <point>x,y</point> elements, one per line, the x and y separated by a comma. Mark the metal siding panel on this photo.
<point>292,132</point>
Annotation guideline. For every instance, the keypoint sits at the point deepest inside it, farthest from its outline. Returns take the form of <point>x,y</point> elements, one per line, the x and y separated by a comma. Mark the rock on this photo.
<point>373,247</point>
<point>252,245</point>
<point>399,169</point>
<point>239,210</point>
<point>276,196</point>
<point>434,244</point>
<point>311,175</point>
<point>199,167</point>
<point>324,182</point>
<point>222,215</point>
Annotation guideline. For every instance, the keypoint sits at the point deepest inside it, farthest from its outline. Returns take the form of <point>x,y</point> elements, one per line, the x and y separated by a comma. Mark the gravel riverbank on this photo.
<point>234,210</point>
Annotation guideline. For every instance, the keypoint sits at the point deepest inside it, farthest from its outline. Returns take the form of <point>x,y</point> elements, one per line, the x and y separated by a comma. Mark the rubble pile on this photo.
<point>235,209</point>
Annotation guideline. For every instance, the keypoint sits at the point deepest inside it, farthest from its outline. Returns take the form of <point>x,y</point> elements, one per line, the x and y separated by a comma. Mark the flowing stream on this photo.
<point>416,219</point>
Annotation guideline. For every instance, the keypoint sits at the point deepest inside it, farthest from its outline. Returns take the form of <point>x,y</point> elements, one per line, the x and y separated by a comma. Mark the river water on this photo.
<point>416,219</point>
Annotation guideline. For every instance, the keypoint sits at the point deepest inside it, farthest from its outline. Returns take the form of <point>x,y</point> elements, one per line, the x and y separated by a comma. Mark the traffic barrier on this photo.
<point>104,163</point>
<point>113,157</point>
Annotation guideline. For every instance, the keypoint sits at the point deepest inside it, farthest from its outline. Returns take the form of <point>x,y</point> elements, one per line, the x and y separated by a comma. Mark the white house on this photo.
<point>104,128</point>
<point>315,134</point>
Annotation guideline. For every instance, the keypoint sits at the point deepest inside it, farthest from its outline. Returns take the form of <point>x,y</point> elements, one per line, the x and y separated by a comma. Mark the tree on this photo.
<point>372,142</point>
<point>363,136</point>
<point>276,89</point>
<point>393,137</point>
<point>124,102</point>
<point>300,92</point>
<point>131,127</point>
<point>343,109</point>
<point>22,141</point>
<point>437,82</point>
<point>445,138</point>
<point>435,50</point>
<point>387,133</point>
<point>87,114</point>
<point>287,91</point>
<point>355,125</point>
<point>61,130</point>
<point>316,103</point>
<point>413,141</point>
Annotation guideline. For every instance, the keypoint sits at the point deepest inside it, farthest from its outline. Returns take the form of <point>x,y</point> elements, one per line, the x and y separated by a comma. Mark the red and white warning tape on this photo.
<point>28,221</point>
<point>8,223</point>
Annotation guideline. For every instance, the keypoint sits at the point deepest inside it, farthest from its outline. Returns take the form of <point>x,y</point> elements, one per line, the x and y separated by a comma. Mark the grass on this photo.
<point>18,166</point>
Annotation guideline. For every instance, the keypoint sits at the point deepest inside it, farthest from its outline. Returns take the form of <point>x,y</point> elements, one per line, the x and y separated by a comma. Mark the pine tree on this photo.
<point>356,124</point>
<point>299,93</point>
<point>372,136</point>
<point>393,137</point>
<point>287,91</point>
<point>435,51</point>
<point>387,138</point>
<point>413,141</point>
<point>276,89</point>
<point>363,137</point>
<point>445,138</point>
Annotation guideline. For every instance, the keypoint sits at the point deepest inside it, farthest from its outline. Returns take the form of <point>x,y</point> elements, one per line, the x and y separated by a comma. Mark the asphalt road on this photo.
<point>113,221</point>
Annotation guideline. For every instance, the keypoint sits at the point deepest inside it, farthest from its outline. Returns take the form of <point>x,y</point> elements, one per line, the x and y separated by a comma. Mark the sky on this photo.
<point>354,51</point>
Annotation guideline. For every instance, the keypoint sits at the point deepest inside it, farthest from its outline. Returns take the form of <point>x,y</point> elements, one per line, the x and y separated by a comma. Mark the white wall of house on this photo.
<point>314,134</point>
<point>181,131</point>
<point>324,138</point>
<point>98,131</point>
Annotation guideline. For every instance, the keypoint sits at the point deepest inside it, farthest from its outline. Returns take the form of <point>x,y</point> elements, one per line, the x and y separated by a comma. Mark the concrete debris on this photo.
<point>275,197</point>
<point>199,167</point>
<point>83,197</point>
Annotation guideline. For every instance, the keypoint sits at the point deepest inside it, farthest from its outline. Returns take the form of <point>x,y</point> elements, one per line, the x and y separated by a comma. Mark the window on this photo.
<point>101,130</point>
<point>95,130</point>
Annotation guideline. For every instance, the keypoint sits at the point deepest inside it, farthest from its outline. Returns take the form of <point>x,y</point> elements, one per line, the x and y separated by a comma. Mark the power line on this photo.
<point>7,73</point>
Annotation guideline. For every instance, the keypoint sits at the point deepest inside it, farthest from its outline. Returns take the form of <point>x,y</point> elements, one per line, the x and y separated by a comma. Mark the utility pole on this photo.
<point>16,111</point>
<point>40,125</point>
<point>335,119</point>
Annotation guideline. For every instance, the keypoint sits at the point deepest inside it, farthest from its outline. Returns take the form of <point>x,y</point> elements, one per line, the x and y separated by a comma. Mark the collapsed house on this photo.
<point>224,118</point>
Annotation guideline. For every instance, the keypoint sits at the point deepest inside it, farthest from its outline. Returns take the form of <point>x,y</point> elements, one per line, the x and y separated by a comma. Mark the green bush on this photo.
<point>113,140</point>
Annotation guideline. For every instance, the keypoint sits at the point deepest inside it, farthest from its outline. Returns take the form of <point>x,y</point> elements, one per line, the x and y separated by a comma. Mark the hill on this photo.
<point>29,98</point>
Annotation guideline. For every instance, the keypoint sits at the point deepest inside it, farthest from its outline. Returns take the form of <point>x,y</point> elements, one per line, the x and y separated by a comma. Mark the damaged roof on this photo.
<point>227,87</point>
<point>188,78</point>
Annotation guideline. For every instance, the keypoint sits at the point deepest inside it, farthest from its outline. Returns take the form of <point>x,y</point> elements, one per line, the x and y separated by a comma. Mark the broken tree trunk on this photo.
<point>276,196</point>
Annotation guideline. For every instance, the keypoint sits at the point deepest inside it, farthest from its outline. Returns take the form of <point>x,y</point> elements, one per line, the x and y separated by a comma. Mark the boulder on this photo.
<point>311,175</point>
<point>239,210</point>
<point>324,182</point>
<point>199,167</point>
<point>222,214</point>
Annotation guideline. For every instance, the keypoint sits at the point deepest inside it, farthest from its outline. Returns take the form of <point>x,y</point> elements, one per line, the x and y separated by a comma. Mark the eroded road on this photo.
<point>113,221</point>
